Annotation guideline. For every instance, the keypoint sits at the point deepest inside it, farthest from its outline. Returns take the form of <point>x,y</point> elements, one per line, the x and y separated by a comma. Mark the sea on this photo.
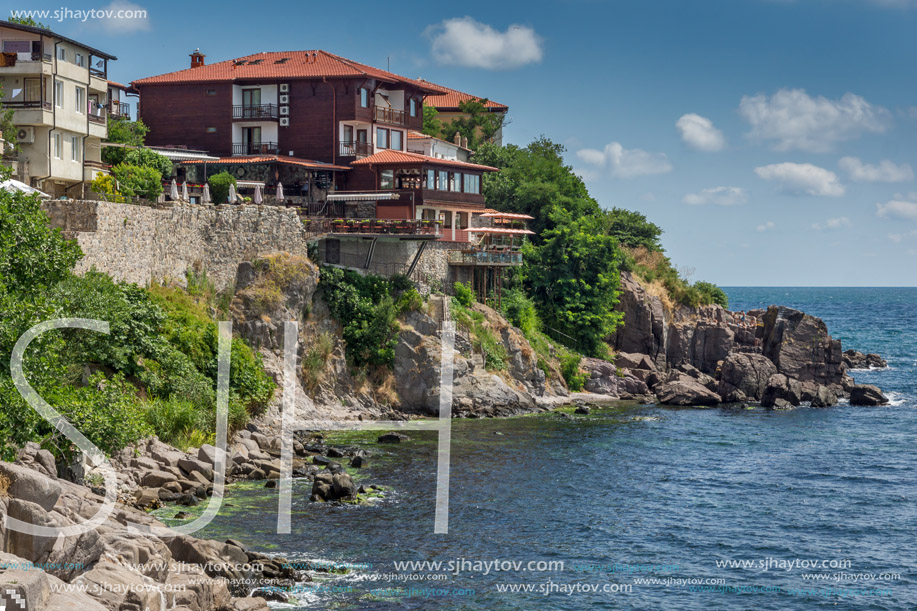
<point>634,506</point>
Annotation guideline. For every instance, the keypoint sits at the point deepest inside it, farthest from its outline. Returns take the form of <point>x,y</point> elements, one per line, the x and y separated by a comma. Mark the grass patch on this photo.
<point>483,338</point>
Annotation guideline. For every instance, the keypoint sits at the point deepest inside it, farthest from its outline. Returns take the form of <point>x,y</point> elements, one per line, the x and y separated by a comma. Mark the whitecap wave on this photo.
<point>896,399</point>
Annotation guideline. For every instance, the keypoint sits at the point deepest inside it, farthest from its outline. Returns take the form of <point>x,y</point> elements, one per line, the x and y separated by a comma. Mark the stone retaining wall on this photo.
<point>140,244</point>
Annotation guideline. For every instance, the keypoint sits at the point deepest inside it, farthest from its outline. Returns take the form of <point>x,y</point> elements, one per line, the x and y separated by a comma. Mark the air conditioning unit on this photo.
<point>284,111</point>
<point>284,121</point>
<point>285,99</point>
<point>25,135</point>
<point>284,87</point>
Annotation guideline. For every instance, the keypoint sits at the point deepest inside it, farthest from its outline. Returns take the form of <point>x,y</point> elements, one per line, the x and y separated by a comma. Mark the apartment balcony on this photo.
<point>119,110</point>
<point>376,228</point>
<point>255,112</point>
<point>255,148</point>
<point>356,149</point>
<point>30,112</point>
<point>17,104</point>
<point>25,64</point>
<point>478,257</point>
<point>99,119</point>
<point>390,115</point>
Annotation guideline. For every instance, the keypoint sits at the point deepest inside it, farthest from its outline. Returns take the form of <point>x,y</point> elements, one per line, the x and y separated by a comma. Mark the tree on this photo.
<point>123,131</point>
<point>148,158</point>
<point>432,126</point>
<point>632,229</point>
<point>138,181</point>
<point>28,21</point>
<point>573,277</point>
<point>219,186</point>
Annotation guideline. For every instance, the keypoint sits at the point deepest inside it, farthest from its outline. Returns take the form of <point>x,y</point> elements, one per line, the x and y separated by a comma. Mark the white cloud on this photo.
<point>885,171</point>
<point>626,163</point>
<point>898,237</point>
<point>699,133</point>
<point>802,179</point>
<point>835,223</point>
<point>793,120</point>
<point>766,226</point>
<point>121,17</point>
<point>462,41</point>
<point>649,196</point>
<point>901,207</point>
<point>721,196</point>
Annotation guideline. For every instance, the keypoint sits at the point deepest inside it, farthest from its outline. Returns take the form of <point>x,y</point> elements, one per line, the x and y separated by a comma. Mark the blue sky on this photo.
<point>775,141</point>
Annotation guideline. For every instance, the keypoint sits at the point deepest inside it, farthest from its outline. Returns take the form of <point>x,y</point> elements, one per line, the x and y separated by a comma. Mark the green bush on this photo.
<point>148,158</point>
<point>569,367</point>
<point>106,186</point>
<point>219,186</point>
<point>520,311</point>
<point>711,293</point>
<point>138,181</point>
<point>410,301</point>
<point>463,294</point>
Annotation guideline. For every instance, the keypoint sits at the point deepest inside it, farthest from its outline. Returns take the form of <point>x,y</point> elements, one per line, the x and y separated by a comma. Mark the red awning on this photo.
<point>507,215</point>
<point>500,230</point>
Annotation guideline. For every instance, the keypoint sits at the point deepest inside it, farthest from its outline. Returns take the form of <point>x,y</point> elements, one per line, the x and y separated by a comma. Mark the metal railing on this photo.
<point>356,149</point>
<point>254,111</point>
<point>390,115</point>
<point>27,104</point>
<point>119,109</point>
<point>373,226</point>
<point>255,148</point>
<point>485,257</point>
<point>100,119</point>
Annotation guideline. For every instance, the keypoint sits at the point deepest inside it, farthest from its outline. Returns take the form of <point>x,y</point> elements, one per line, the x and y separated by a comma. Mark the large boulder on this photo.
<point>683,390</point>
<point>30,485</point>
<point>782,391</point>
<point>854,359</point>
<point>627,360</point>
<point>645,329</point>
<point>800,346</point>
<point>867,394</point>
<point>743,377</point>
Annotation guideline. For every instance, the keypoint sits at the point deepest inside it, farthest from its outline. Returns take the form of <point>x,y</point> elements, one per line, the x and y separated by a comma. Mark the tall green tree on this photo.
<point>123,131</point>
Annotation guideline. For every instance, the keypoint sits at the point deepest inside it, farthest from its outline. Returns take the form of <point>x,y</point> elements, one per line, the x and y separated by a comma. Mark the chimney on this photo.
<point>197,59</point>
<point>464,142</point>
<point>314,57</point>
<point>457,139</point>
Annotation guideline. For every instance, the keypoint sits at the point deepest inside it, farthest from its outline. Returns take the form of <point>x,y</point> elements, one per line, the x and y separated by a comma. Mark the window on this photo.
<point>58,147</point>
<point>381,138</point>
<point>396,140</point>
<point>16,46</point>
<point>431,179</point>
<point>472,183</point>
<point>364,97</point>
<point>79,60</point>
<point>456,183</point>
<point>80,100</point>
<point>443,181</point>
<point>58,94</point>
<point>387,179</point>
<point>32,88</point>
<point>413,107</point>
<point>211,130</point>
<point>210,92</point>
<point>75,148</point>
<point>61,54</point>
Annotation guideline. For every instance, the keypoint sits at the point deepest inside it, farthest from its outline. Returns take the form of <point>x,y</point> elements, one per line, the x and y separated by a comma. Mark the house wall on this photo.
<point>140,243</point>
<point>181,114</point>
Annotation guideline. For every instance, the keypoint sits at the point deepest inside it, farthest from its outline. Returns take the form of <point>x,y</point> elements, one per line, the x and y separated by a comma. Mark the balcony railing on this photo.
<point>478,256</point>
<point>255,148</point>
<point>356,149</point>
<point>96,165</point>
<point>119,109</point>
<point>374,227</point>
<point>99,72</point>
<point>390,115</point>
<point>27,104</point>
<point>100,119</point>
<point>255,111</point>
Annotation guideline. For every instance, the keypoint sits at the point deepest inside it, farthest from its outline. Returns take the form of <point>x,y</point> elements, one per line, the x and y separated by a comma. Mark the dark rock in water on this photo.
<point>358,462</point>
<point>320,460</point>
<point>583,410</point>
<point>332,486</point>
<point>188,500</point>
<point>854,359</point>
<point>271,595</point>
<point>781,404</point>
<point>824,397</point>
<point>335,453</point>
<point>744,377</point>
<point>334,467</point>
<point>867,394</point>
<point>783,389</point>
<point>182,515</point>
<point>392,437</point>
<point>271,483</point>
<point>800,346</point>
<point>563,415</point>
<point>685,391</point>
<point>168,497</point>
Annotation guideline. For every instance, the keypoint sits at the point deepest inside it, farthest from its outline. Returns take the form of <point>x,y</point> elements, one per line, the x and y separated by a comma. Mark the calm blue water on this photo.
<point>648,486</point>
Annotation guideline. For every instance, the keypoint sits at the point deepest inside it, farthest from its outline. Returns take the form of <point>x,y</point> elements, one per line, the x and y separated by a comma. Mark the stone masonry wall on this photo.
<point>141,243</point>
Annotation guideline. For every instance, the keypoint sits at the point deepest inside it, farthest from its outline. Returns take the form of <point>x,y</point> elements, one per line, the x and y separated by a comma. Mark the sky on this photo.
<point>774,141</point>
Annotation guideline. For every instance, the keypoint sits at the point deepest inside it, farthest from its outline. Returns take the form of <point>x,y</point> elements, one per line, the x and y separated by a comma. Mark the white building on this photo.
<point>58,91</point>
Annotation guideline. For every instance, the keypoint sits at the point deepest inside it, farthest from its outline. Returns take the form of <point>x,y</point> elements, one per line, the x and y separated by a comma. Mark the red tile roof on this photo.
<point>450,99</point>
<point>117,85</point>
<point>400,157</point>
<point>283,65</point>
<point>316,165</point>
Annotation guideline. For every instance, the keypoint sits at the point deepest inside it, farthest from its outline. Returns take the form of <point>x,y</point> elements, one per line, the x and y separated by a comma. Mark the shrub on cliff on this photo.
<point>219,186</point>
<point>138,181</point>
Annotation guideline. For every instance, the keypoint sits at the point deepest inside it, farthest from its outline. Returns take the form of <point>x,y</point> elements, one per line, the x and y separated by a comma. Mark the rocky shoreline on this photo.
<point>779,357</point>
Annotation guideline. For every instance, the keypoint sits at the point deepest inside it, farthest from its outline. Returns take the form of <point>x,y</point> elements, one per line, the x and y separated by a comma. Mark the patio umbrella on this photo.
<point>205,198</point>
<point>184,191</point>
<point>280,191</point>
<point>257,196</point>
<point>232,193</point>
<point>14,186</point>
<point>173,191</point>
